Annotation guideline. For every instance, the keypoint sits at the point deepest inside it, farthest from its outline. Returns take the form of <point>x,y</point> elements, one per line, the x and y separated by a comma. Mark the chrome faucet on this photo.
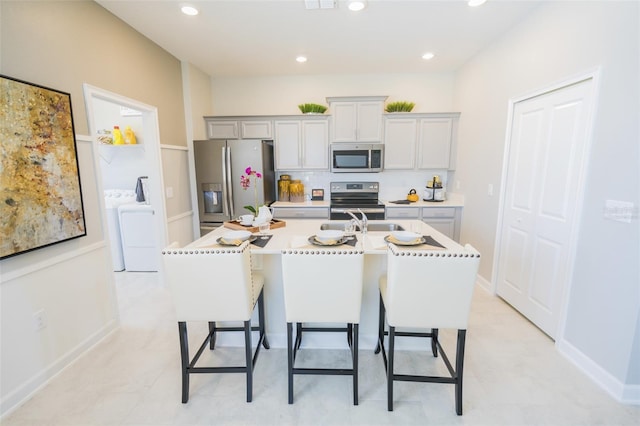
<point>362,223</point>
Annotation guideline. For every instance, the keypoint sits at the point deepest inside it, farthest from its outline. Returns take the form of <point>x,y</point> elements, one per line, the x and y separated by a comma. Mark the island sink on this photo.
<point>371,227</point>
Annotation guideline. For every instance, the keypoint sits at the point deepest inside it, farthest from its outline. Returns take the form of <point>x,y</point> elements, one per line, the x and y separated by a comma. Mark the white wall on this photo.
<point>557,41</point>
<point>283,94</point>
<point>62,44</point>
<point>175,166</point>
<point>71,284</point>
<point>197,101</point>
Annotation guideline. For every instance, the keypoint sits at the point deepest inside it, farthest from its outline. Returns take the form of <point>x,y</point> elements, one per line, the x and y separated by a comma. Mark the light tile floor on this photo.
<point>513,376</point>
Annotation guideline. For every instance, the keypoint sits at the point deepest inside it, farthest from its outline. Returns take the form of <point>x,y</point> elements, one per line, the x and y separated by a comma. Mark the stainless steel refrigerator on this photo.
<point>219,166</point>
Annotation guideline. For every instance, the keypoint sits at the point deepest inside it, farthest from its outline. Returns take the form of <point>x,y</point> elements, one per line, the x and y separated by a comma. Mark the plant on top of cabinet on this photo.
<point>400,106</point>
<point>312,108</point>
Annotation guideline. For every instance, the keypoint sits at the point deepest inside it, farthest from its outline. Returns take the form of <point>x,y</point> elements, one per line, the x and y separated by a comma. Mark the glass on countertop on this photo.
<point>263,228</point>
<point>350,228</point>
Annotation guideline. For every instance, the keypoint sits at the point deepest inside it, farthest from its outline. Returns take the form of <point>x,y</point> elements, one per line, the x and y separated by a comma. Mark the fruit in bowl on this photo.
<point>405,236</point>
<point>328,235</point>
<point>237,235</point>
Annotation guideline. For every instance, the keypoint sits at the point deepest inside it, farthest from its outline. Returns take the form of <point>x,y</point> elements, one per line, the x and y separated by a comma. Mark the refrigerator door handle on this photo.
<point>229,181</point>
<point>225,184</point>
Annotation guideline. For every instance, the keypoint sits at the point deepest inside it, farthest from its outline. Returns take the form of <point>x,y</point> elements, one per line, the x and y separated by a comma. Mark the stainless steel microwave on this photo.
<point>356,157</point>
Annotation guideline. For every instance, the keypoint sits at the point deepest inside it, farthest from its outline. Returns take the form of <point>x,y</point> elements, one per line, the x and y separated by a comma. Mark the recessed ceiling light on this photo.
<point>301,59</point>
<point>356,5</point>
<point>428,56</point>
<point>189,10</point>
<point>474,3</point>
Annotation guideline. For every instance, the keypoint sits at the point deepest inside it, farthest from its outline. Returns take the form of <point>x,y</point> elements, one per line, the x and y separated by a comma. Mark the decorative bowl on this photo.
<point>405,236</point>
<point>326,235</point>
<point>237,235</point>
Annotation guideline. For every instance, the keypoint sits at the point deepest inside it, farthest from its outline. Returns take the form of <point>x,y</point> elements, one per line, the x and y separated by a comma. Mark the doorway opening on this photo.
<point>130,177</point>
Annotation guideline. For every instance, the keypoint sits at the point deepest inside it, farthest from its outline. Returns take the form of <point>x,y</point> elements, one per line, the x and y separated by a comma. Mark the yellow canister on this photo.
<point>296,191</point>
<point>283,187</point>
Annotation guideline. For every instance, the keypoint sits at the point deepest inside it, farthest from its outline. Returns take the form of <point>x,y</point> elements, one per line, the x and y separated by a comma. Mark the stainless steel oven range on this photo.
<point>353,196</point>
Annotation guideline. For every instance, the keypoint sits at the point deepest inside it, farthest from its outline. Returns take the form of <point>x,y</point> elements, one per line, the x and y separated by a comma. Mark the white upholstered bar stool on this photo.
<point>426,289</point>
<point>322,286</point>
<point>215,284</point>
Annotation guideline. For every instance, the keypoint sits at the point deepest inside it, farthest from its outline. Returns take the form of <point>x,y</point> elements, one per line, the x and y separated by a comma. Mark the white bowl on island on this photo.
<point>237,235</point>
<point>405,236</point>
<point>328,235</point>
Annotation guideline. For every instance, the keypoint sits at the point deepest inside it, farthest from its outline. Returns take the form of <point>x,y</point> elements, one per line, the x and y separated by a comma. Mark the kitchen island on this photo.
<point>295,235</point>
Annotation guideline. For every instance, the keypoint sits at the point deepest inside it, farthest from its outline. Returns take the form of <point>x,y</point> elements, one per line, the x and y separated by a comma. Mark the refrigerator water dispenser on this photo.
<point>212,197</point>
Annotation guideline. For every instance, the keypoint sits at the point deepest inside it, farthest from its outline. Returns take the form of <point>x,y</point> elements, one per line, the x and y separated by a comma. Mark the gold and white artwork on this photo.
<point>40,198</point>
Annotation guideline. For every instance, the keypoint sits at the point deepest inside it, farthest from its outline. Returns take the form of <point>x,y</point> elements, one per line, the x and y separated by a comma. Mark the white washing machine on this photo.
<point>114,198</point>
<point>138,232</point>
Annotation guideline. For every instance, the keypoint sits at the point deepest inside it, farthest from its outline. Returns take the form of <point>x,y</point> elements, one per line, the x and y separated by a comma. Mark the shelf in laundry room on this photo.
<point>107,151</point>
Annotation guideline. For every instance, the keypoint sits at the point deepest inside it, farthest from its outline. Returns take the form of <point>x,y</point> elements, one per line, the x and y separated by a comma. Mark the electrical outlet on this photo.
<point>39,320</point>
<point>169,191</point>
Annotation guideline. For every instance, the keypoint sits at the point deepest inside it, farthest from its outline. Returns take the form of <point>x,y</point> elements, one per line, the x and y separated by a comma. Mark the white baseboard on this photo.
<point>626,394</point>
<point>482,282</point>
<point>23,393</point>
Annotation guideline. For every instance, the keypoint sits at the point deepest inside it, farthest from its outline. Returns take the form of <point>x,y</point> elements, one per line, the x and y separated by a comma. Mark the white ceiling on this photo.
<point>263,37</point>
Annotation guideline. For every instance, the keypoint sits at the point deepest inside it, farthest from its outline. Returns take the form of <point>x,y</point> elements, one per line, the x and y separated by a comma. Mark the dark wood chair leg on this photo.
<point>249,359</point>
<point>298,335</point>
<point>459,369</point>
<point>184,358</point>
<point>381,314</point>
<point>392,336</point>
<point>263,332</point>
<point>290,360</point>
<point>355,364</point>
<point>434,341</point>
<point>212,332</point>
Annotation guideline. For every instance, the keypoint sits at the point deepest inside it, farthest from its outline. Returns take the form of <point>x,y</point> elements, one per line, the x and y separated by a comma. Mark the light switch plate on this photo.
<point>621,211</point>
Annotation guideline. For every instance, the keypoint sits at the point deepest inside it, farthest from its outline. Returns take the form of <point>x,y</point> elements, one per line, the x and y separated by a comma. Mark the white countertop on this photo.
<point>453,200</point>
<point>324,203</point>
<point>297,231</point>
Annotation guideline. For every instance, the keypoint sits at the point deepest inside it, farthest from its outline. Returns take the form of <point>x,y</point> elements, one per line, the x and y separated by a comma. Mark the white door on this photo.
<point>546,152</point>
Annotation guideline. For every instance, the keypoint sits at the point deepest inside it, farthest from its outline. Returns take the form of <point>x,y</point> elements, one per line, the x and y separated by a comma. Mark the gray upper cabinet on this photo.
<point>400,138</point>
<point>356,119</point>
<point>302,144</point>
<point>420,141</point>
<point>238,128</point>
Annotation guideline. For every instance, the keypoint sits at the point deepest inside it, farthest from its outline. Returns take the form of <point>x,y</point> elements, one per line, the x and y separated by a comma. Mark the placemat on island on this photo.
<point>429,244</point>
<point>234,224</point>
<point>262,241</point>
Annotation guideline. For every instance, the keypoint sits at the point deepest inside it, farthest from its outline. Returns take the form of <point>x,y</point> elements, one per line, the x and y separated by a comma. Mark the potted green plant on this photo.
<point>400,106</point>
<point>312,108</point>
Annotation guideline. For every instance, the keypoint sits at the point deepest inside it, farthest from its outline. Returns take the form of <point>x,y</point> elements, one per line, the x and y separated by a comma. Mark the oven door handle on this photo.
<point>364,210</point>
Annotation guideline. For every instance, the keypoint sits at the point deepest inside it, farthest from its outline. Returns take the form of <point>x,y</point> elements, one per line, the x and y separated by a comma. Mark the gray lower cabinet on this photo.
<point>443,219</point>
<point>403,213</point>
<point>301,212</point>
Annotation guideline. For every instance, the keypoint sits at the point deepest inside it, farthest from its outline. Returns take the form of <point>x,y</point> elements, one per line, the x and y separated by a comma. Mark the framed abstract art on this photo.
<point>40,193</point>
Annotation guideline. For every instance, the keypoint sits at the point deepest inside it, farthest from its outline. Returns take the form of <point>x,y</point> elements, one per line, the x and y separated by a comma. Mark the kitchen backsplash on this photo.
<point>394,184</point>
